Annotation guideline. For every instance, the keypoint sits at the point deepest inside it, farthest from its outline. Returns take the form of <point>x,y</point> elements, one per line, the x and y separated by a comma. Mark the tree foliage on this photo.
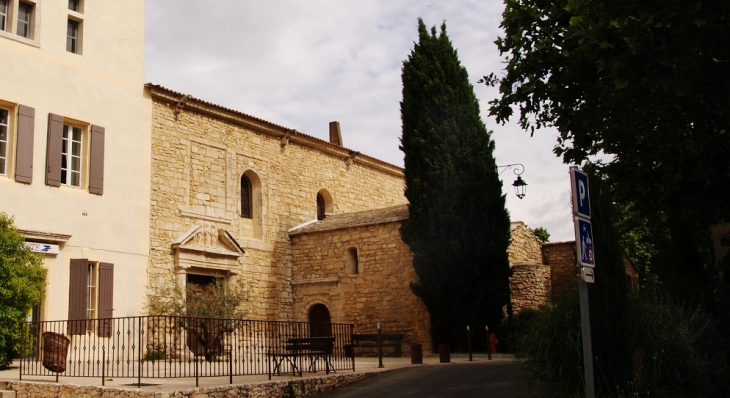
<point>458,227</point>
<point>22,285</point>
<point>203,311</point>
<point>643,82</point>
<point>542,234</point>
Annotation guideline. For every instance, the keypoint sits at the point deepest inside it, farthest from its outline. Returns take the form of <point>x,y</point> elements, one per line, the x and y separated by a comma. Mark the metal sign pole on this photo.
<point>586,261</point>
<point>585,323</point>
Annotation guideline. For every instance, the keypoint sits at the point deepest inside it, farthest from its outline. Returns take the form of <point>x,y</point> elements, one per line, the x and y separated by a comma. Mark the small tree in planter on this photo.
<point>204,311</point>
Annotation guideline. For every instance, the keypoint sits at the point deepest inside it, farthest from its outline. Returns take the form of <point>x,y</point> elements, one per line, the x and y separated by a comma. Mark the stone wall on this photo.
<point>530,285</point>
<point>200,152</point>
<point>560,257</point>
<point>276,389</point>
<point>378,293</point>
<point>524,245</point>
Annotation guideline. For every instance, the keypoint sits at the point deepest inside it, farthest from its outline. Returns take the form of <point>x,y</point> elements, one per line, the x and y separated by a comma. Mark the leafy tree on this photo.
<point>458,228</point>
<point>542,234</point>
<point>203,311</point>
<point>22,285</point>
<point>644,81</point>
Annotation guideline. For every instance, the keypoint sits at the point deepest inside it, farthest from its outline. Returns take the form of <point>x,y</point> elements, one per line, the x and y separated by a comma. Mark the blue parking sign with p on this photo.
<point>581,199</point>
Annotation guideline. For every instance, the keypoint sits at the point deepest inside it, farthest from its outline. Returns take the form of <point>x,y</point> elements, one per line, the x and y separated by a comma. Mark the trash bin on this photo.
<point>444,353</point>
<point>416,354</point>
<point>55,349</point>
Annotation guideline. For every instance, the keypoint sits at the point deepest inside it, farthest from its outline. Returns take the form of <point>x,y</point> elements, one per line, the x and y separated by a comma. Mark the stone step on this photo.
<point>7,394</point>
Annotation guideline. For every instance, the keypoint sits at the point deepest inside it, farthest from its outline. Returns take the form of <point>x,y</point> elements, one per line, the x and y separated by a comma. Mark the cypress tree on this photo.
<point>458,228</point>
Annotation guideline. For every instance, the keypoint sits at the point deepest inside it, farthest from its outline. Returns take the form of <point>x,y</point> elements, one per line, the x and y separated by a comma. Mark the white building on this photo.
<point>75,149</point>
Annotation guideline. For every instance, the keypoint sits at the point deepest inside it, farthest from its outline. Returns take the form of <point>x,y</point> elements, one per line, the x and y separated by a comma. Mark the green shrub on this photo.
<point>673,348</point>
<point>550,345</point>
<point>22,284</point>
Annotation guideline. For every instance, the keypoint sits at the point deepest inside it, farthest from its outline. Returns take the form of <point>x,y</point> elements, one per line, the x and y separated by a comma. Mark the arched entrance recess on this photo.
<point>319,321</point>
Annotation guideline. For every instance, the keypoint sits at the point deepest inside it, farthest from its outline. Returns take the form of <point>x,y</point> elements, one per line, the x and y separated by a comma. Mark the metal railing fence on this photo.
<point>175,347</point>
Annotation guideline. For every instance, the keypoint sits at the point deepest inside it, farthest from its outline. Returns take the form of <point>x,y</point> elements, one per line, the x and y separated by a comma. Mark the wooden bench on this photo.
<point>371,340</point>
<point>312,348</point>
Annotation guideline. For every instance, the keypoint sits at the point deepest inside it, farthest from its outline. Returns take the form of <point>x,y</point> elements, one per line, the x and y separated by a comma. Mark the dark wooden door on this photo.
<point>319,321</point>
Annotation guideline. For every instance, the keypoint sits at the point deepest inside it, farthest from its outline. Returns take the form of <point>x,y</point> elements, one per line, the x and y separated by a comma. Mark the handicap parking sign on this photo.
<point>584,242</point>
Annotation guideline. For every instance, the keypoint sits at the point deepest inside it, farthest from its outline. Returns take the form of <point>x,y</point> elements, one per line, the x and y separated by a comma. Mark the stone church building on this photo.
<point>311,226</point>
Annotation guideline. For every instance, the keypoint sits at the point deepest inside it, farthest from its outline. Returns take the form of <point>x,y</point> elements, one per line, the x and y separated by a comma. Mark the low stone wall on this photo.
<point>275,389</point>
<point>560,257</point>
<point>529,285</point>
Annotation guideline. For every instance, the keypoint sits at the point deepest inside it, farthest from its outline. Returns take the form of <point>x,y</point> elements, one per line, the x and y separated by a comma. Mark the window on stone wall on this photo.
<point>246,211</point>
<point>320,207</point>
<point>353,265</point>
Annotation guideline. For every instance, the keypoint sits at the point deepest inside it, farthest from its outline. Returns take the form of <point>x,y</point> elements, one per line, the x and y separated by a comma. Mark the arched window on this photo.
<point>320,207</point>
<point>246,210</point>
<point>353,266</point>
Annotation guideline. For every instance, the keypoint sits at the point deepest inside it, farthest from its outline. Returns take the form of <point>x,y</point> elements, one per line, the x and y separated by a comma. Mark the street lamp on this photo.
<point>519,184</point>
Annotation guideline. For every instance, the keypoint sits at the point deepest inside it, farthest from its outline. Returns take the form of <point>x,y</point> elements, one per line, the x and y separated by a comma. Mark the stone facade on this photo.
<point>524,245</point>
<point>530,282</point>
<point>530,285</point>
<point>304,387</point>
<point>560,257</point>
<point>201,151</point>
<point>351,261</point>
<point>358,266</point>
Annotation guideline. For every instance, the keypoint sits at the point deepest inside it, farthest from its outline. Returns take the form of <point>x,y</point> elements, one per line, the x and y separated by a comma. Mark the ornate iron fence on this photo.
<point>175,347</point>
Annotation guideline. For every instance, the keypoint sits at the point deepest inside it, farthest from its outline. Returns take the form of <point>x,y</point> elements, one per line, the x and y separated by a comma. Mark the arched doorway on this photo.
<point>319,321</point>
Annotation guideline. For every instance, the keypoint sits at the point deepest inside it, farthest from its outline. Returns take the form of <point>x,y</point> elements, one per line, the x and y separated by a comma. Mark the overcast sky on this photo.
<point>302,64</point>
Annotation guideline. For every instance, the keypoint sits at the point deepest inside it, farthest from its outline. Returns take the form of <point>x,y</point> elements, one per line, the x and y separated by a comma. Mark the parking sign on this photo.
<point>581,199</point>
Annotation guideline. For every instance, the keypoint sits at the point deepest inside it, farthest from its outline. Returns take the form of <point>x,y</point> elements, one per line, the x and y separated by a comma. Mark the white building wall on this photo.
<point>102,86</point>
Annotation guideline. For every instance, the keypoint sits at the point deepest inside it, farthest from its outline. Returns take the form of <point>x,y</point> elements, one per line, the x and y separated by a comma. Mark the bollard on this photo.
<point>444,353</point>
<point>380,348</point>
<point>489,346</point>
<point>416,354</point>
<point>468,339</point>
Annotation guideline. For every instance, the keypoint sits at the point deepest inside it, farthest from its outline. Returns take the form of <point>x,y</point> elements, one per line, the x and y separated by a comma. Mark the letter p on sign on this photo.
<point>581,197</point>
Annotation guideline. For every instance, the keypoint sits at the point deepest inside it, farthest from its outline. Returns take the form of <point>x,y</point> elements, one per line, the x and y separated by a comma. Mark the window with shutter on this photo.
<point>24,145</point>
<point>66,154</point>
<point>90,296</point>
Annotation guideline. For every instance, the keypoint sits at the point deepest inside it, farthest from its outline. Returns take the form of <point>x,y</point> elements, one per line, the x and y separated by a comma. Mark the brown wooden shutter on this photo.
<point>77,291</point>
<point>53,150</point>
<point>106,299</point>
<point>24,146</point>
<point>96,161</point>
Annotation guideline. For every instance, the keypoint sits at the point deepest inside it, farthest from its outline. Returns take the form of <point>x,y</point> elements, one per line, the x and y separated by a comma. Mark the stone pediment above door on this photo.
<point>207,247</point>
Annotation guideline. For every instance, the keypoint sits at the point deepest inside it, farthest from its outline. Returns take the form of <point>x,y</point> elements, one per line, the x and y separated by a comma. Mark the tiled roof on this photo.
<point>357,219</point>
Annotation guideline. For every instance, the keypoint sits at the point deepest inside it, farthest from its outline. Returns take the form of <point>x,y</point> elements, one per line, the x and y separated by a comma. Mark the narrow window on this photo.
<point>25,12</point>
<point>73,5</point>
<point>246,197</point>
<point>320,207</point>
<point>72,36</point>
<point>90,291</point>
<point>353,266</point>
<point>71,156</point>
<point>4,125</point>
<point>3,14</point>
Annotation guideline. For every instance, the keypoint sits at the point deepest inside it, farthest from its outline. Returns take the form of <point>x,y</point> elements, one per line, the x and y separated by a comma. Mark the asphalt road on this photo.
<point>463,380</point>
